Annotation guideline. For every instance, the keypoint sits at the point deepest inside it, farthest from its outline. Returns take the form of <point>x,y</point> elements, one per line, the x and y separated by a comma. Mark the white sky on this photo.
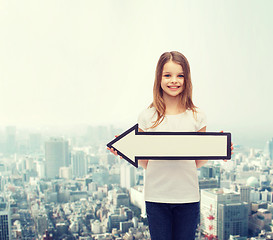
<point>93,62</point>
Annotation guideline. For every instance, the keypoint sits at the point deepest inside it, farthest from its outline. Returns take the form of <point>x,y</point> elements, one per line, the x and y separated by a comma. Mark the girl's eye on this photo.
<point>168,75</point>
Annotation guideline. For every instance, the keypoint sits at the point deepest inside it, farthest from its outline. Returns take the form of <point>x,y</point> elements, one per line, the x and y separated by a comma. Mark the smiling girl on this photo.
<point>171,189</point>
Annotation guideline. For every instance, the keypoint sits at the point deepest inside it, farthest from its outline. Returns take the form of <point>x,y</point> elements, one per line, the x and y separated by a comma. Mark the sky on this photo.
<point>93,62</point>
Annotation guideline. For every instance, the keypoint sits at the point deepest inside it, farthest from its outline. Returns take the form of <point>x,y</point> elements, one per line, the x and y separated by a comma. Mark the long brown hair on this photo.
<point>186,95</point>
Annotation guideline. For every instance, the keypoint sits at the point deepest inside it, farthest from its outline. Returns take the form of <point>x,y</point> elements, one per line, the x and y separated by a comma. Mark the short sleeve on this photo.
<point>142,120</point>
<point>201,119</point>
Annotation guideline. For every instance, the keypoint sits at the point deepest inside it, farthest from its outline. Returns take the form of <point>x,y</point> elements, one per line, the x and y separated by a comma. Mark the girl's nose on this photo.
<point>173,80</point>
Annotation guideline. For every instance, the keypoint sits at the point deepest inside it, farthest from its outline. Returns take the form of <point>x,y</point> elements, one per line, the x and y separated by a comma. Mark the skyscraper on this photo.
<point>244,192</point>
<point>40,167</point>
<point>41,222</point>
<point>127,176</point>
<point>5,222</point>
<point>56,156</point>
<point>232,220</point>
<point>269,149</point>
<point>79,164</point>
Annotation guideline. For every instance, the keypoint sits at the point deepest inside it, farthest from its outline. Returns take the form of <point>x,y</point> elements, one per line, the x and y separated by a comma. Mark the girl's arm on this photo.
<point>143,162</point>
<point>200,163</point>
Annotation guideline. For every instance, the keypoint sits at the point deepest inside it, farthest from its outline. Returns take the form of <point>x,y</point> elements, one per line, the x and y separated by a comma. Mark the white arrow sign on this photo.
<point>133,145</point>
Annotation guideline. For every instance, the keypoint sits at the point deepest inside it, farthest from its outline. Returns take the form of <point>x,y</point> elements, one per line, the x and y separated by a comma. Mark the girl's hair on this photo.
<point>185,96</point>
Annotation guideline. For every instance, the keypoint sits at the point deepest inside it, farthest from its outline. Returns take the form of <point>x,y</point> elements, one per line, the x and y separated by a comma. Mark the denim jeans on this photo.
<point>168,221</point>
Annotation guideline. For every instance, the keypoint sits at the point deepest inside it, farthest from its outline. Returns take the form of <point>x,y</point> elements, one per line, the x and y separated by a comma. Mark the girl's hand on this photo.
<point>113,151</point>
<point>225,160</point>
<point>143,163</point>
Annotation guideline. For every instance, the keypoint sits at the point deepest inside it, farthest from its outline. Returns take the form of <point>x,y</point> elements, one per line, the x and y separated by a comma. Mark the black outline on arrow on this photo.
<point>135,128</point>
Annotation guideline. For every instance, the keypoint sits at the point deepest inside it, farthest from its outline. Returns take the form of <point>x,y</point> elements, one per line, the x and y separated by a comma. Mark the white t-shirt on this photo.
<point>171,181</point>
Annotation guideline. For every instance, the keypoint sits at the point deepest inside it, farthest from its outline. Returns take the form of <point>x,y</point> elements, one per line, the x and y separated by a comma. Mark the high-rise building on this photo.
<point>41,222</point>
<point>29,163</point>
<point>232,220</point>
<point>244,192</point>
<point>79,164</point>
<point>213,217</point>
<point>124,226</point>
<point>5,222</point>
<point>40,168</point>
<point>268,151</point>
<point>56,156</point>
<point>127,176</point>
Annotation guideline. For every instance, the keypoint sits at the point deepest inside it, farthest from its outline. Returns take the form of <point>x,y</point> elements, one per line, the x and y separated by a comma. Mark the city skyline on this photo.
<point>239,137</point>
<point>106,198</point>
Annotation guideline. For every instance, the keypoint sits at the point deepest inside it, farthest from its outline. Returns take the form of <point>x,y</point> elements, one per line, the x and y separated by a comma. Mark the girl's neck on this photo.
<point>173,105</point>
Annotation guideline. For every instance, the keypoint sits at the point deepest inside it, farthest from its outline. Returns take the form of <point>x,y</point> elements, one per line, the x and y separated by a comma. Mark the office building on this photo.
<point>216,209</point>
<point>40,168</point>
<point>41,222</point>
<point>232,220</point>
<point>79,164</point>
<point>244,192</point>
<point>127,176</point>
<point>5,222</point>
<point>56,156</point>
<point>268,150</point>
<point>124,226</point>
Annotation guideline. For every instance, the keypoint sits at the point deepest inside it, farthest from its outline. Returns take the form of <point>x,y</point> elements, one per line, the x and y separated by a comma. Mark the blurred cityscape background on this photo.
<point>65,184</point>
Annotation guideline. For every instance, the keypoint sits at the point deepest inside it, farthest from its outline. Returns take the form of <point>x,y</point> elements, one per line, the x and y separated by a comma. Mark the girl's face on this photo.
<point>172,79</point>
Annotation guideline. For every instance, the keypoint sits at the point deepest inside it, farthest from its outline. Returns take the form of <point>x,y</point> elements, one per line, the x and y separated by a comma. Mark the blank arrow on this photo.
<point>133,145</point>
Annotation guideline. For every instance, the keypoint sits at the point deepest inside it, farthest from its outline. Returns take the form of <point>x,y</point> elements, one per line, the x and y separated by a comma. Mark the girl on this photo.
<point>171,189</point>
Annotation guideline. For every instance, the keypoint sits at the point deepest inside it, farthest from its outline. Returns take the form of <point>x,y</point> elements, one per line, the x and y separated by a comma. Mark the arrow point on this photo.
<point>125,141</point>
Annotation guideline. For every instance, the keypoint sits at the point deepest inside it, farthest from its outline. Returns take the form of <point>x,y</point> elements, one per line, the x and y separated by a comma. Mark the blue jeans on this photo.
<point>168,221</point>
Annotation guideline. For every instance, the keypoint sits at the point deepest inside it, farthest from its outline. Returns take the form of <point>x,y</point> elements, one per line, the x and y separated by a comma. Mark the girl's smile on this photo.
<point>174,88</point>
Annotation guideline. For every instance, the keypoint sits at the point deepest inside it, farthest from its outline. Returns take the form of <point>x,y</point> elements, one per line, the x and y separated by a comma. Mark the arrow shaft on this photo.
<point>182,146</point>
